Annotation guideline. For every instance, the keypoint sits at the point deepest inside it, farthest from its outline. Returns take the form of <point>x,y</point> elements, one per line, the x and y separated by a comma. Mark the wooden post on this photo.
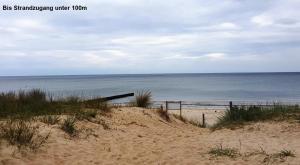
<point>167,106</point>
<point>180,109</point>
<point>230,105</point>
<point>203,119</point>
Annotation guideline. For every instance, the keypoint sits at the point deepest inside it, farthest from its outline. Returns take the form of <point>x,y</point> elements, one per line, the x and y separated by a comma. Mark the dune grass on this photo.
<point>142,99</point>
<point>50,119</point>
<point>28,104</point>
<point>286,153</point>
<point>239,115</point>
<point>223,151</point>
<point>194,122</point>
<point>22,134</point>
<point>69,126</point>
<point>279,156</point>
<point>19,109</point>
<point>163,114</point>
<point>104,106</point>
<point>181,118</point>
<point>86,114</point>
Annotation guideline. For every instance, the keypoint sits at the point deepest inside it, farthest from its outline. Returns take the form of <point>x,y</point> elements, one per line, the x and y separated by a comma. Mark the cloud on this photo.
<point>27,23</point>
<point>139,36</point>
<point>145,40</point>
<point>262,20</point>
<point>215,56</point>
<point>209,56</point>
<point>229,25</point>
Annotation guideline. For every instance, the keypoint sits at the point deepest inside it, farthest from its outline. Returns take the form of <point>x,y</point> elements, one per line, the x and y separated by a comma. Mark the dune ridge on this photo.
<point>141,136</point>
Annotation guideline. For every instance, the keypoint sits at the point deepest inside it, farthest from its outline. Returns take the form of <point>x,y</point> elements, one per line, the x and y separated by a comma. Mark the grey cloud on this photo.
<point>174,36</point>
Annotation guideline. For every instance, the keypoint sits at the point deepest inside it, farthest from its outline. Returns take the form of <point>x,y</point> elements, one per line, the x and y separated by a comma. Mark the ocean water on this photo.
<point>256,87</point>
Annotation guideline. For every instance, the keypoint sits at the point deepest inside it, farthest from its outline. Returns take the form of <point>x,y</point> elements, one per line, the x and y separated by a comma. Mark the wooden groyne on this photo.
<point>111,97</point>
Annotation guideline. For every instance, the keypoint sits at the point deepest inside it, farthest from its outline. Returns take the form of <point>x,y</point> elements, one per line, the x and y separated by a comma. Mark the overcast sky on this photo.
<point>151,36</point>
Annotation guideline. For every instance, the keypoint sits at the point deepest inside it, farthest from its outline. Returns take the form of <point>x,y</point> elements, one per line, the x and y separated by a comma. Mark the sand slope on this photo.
<point>138,136</point>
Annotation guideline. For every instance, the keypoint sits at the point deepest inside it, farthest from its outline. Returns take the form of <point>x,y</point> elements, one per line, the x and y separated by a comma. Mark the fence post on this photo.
<point>230,105</point>
<point>180,109</point>
<point>203,119</point>
<point>167,106</point>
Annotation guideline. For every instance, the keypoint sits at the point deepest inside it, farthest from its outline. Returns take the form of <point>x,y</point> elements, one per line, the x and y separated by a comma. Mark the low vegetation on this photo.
<point>98,104</point>
<point>220,151</point>
<point>142,99</point>
<point>19,109</point>
<point>29,104</point>
<point>194,122</point>
<point>281,156</point>
<point>50,119</point>
<point>22,134</point>
<point>239,115</point>
<point>163,114</point>
<point>286,153</point>
<point>181,118</point>
<point>86,114</point>
<point>69,126</point>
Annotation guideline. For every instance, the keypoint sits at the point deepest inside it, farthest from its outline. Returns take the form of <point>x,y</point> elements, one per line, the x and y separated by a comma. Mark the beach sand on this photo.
<point>211,116</point>
<point>138,136</point>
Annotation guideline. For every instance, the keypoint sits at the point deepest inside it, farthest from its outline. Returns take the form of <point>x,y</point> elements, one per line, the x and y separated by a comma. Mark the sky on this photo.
<point>151,36</point>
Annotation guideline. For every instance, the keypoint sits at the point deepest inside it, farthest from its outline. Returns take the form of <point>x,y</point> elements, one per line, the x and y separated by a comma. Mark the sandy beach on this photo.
<point>140,136</point>
<point>211,116</point>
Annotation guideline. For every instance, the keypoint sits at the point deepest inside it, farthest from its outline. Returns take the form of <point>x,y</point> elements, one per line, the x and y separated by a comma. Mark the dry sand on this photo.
<point>138,136</point>
<point>211,116</point>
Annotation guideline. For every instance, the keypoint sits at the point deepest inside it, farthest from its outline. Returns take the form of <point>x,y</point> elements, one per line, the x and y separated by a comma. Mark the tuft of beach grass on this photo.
<point>142,99</point>
<point>69,126</point>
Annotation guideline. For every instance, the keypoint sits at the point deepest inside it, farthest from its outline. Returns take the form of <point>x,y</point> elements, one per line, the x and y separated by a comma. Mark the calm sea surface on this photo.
<point>259,87</point>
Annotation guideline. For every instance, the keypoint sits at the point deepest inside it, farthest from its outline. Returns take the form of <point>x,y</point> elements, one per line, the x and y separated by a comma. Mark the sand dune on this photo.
<point>137,136</point>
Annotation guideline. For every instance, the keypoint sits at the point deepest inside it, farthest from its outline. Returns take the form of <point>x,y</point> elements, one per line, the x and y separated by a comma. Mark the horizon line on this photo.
<point>170,73</point>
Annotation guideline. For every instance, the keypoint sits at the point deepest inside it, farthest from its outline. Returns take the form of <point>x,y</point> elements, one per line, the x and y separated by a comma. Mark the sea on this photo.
<point>194,87</point>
